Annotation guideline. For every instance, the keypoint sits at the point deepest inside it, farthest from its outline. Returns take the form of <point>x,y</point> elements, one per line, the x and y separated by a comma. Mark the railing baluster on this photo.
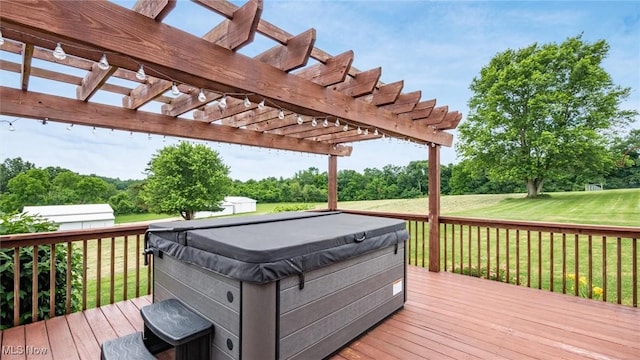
<point>409,243</point>
<point>16,286</point>
<point>478,244</point>
<point>453,248</point>
<point>540,260</point>
<point>99,273</point>
<point>424,241</point>
<point>445,246</point>
<point>34,285</point>
<point>551,264</point>
<point>604,268</point>
<point>125,276</point>
<point>112,271</point>
<point>415,230</point>
<point>67,305</point>
<point>507,251</point>
<point>138,254</point>
<point>461,251</point>
<point>590,266</point>
<point>488,253</point>
<point>528,258</point>
<point>517,257</point>
<point>564,263</point>
<point>576,266</point>
<point>469,247</point>
<point>52,282</point>
<point>619,272</point>
<point>634,270</point>
<point>498,253</point>
<point>84,274</point>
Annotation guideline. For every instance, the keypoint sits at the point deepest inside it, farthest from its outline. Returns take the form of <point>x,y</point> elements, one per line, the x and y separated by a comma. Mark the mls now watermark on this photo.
<point>23,350</point>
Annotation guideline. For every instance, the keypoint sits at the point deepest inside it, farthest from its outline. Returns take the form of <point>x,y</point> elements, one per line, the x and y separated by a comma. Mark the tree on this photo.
<point>186,178</point>
<point>10,168</point>
<point>542,111</point>
<point>27,188</point>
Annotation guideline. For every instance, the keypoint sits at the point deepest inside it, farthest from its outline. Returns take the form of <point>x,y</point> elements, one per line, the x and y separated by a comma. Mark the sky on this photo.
<point>437,47</point>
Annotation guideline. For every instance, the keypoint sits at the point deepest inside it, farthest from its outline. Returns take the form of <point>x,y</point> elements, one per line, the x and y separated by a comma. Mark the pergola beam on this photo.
<point>135,40</point>
<point>240,29</point>
<point>40,106</point>
<point>154,9</point>
<point>25,71</point>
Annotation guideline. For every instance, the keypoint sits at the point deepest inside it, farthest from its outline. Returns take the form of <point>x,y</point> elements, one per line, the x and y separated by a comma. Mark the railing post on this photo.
<point>333,183</point>
<point>434,208</point>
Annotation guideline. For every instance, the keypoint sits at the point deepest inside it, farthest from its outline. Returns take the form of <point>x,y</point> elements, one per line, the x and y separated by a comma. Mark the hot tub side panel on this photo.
<point>339,302</point>
<point>213,296</point>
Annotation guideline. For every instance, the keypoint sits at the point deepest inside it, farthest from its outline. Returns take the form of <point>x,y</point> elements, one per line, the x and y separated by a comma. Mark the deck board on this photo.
<point>446,316</point>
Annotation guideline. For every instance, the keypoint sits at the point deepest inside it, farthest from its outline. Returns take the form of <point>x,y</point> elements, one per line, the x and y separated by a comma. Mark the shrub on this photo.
<point>292,207</point>
<point>22,223</point>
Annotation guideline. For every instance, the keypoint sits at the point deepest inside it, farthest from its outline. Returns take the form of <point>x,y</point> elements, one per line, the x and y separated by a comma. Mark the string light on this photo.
<point>45,121</point>
<point>299,119</point>
<point>247,102</point>
<point>69,127</point>
<point>281,114</point>
<point>148,136</point>
<point>346,127</point>
<point>337,122</point>
<point>93,130</point>
<point>261,105</point>
<point>314,122</point>
<point>1,38</point>
<point>375,132</point>
<point>222,104</point>
<point>103,64</point>
<point>325,123</point>
<point>59,53</point>
<point>174,89</point>
<point>11,127</point>
<point>366,131</point>
<point>140,75</point>
<point>201,96</point>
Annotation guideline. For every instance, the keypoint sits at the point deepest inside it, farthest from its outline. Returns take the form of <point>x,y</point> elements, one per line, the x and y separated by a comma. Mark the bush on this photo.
<point>22,223</point>
<point>292,207</point>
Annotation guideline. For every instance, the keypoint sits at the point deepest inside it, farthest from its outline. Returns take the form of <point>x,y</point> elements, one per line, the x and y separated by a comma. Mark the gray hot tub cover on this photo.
<point>265,248</point>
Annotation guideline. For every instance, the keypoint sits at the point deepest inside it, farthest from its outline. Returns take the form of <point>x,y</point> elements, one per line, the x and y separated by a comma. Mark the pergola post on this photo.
<point>332,188</point>
<point>434,208</point>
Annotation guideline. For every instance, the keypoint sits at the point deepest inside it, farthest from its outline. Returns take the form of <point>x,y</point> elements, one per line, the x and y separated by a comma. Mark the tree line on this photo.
<point>22,183</point>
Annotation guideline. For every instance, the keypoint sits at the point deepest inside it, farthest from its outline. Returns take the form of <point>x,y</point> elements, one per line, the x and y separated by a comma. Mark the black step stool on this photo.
<point>176,325</point>
<point>128,347</point>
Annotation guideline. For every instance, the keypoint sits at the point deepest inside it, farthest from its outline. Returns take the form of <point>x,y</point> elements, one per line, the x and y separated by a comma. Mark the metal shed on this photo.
<point>69,217</point>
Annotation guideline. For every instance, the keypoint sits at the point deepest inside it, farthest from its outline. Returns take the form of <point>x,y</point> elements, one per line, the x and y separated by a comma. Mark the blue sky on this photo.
<point>434,46</point>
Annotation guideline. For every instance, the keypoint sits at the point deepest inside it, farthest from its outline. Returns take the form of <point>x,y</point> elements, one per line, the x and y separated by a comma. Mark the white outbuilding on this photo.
<point>70,217</point>
<point>231,205</point>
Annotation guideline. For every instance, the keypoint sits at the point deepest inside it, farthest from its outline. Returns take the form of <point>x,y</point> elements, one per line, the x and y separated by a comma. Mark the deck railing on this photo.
<point>109,260</point>
<point>598,262</point>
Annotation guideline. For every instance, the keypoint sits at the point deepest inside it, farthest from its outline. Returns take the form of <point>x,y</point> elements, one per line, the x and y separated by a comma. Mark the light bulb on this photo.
<point>222,104</point>
<point>201,96</point>
<point>299,119</point>
<point>366,131</point>
<point>1,38</point>
<point>375,132</point>
<point>346,127</point>
<point>337,122</point>
<point>130,134</point>
<point>359,131</point>
<point>45,121</point>
<point>149,136</point>
<point>93,130</point>
<point>384,136</point>
<point>281,114</point>
<point>11,127</point>
<point>325,123</point>
<point>103,64</point>
<point>261,105</point>
<point>164,138</point>
<point>58,53</point>
<point>69,127</point>
<point>140,75</point>
<point>247,102</point>
<point>314,122</point>
<point>174,89</point>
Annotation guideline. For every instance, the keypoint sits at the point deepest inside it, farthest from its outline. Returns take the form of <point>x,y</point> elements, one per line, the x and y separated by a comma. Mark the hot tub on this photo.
<point>282,286</point>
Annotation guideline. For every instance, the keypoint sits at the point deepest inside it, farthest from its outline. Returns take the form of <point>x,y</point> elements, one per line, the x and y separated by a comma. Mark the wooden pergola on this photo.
<point>293,96</point>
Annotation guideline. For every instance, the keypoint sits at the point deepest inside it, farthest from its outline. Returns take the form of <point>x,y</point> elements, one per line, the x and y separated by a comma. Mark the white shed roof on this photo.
<point>73,212</point>
<point>238,199</point>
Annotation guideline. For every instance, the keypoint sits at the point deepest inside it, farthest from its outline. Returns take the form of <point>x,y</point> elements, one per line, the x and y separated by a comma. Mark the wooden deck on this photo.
<point>446,316</point>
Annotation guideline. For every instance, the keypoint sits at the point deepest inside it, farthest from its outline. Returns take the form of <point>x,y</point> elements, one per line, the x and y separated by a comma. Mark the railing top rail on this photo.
<point>62,236</point>
<point>408,217</point>
<point>580,229</point>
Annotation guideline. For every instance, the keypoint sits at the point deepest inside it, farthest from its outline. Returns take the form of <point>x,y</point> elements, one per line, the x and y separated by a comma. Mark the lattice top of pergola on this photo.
<point>204,87</point>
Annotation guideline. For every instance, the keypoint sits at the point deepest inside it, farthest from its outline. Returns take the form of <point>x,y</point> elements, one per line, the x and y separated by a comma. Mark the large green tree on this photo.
<point>186,178</point>
<point>543,111</point>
